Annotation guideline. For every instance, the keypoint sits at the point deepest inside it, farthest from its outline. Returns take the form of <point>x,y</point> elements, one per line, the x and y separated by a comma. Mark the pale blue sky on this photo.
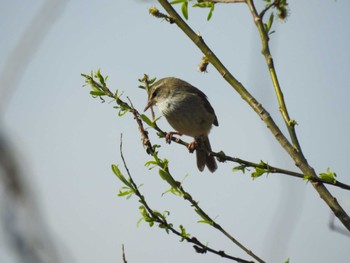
<point>66,141</point>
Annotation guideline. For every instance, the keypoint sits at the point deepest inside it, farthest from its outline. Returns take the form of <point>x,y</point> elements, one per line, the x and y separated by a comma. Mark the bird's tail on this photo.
<point>202,154</point>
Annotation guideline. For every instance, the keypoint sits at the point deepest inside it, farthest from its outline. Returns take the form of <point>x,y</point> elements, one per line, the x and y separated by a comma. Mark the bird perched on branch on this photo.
<point>189,112</point>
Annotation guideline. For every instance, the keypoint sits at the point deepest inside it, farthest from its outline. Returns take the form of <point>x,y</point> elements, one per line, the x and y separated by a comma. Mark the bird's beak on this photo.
<point>149,104</point>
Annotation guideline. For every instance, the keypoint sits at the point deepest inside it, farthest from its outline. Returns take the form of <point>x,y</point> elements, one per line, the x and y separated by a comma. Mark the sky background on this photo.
<point>66,141</point>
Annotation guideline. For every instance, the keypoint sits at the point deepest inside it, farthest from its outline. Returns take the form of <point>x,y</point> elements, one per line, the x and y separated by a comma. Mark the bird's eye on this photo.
<point>154,94</point>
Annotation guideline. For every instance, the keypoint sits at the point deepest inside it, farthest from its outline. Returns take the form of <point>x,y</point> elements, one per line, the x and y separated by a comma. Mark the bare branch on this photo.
<point>124,258</point>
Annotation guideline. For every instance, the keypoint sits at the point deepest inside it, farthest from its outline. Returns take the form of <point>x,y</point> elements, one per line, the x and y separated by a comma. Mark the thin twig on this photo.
<point>144,134</point>
<point>195,204</point>
<point>270,169</point>
<point>267,7</point>
<point>124,258</point>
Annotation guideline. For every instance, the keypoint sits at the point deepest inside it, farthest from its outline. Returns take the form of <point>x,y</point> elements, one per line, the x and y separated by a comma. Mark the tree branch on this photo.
<point>222,157</point>
<point>103,90</point>
<point>296,155</point>
<point>199,247</point>
<point>185,194</point>
<point>273,74</point>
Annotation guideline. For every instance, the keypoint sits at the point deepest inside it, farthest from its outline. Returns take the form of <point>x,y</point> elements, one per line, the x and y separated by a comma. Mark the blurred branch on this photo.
<point>24,230</point>
<point>26,47</point>
<point>339,229</point>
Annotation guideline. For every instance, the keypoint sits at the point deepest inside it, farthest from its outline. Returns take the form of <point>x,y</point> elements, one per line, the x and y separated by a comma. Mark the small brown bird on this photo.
<point>189,112</point>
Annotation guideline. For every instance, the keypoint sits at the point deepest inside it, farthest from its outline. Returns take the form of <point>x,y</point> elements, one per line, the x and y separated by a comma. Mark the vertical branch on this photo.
<point>265,50</point>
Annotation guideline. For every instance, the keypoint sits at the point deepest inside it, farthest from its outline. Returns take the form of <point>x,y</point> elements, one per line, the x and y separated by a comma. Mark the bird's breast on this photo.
<point>187,114</point>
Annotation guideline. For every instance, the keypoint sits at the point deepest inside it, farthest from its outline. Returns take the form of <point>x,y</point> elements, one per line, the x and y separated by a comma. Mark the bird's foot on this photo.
<point>169,136</point>
<point>192,146</point>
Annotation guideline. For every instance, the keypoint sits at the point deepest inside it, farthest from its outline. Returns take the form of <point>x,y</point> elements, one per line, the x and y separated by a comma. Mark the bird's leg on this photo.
<point>192,146</point>
<point>196,144</point>
<point>169,136</point>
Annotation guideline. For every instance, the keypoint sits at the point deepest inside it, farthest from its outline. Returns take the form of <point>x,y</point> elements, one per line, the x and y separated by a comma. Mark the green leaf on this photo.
<point>238,168</point>
<point>97,93</point>
<point>124,193</point>
<point>161,219</point>
<point>121,177</point>
<point>156,213</point>
<point>174,191</point>
<point>184,234</point>
<point>154,163</point>
<point>123,111</point>
<point>203,4</point>
<point>211,10</point>
<point>328,176</point>
<point>146,216</point>
<point>147,120</point>
<point>139,222</point>
<point>100,77</point>
<point>307,177</point>
<point>168,178</point>
<point>258,172</point>
<point>150,81</point>
<point>177,2</point>
<point>270,22</point>
<point>184,9</point>
<point>142,87</point>
<point>209,5</point>
<point>206,219</point>
<point>163,163</point>
<point>128,192</point>
<point>89,80</point>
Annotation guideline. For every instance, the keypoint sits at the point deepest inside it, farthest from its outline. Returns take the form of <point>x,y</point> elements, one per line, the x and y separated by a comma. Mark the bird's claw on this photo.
<point>169,136</point>
<point>192,146</point>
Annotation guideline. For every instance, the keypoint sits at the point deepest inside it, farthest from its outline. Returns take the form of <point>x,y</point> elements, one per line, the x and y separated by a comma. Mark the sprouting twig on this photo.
<point>199,246</point>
